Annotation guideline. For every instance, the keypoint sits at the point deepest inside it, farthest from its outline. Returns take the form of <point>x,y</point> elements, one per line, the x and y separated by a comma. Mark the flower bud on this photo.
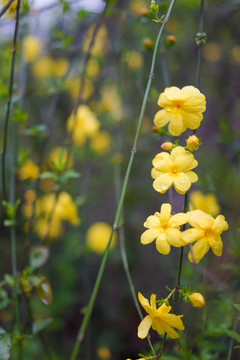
<point>193,143</point>
<point>197,300</point>
<point>170,40</point>
<point>154,7</point>
<point>148,44</point>
<point>168,146</point>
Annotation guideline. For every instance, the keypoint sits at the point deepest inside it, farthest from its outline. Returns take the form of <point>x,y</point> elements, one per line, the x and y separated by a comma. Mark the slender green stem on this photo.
<point>88,313</point>
<point>199,55</point>
<point>10,91</point>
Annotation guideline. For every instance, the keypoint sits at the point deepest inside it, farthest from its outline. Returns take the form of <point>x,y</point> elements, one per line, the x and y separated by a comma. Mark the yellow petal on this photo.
<point>164,309</point>
<point>181,183</point>
<point>163,101</point>
<point>178,219</point>
<point>162,163</point>
<point>192,176</point>
<point>219,224</point>
<point>163,183</point>
<point>199,249</point>
<point>157,325</point>
<point>174,237</point>
<point>216,245</point>
<point>144,327</point>
<point>161,118</point>
<point>172,93</point>
<point>192,120</point>
<point>174,321</point>
<point>192,235</point>
<point>176,126</point>
<point>155,173</point>
<point>152,221</point>
<point>153,301</point>
<point>170,331</point>
<point>200,219</point>
<point>148,236</point>
<point>165,213</point>
<point>178,150</point>
<point>185,162</point>
<point>162,244</point>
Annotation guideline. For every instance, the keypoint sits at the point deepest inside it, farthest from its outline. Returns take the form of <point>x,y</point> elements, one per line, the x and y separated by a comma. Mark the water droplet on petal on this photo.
<point>164,186</point>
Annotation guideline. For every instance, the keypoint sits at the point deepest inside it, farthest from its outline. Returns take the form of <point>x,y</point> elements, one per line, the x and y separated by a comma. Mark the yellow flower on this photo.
<point>98,235</point>
<point>174,169</point>
<point>51,213</point>
<point>104,353</point>
<point>101,142</point>
<point>111,102</point>
<point>74,84</point>
<point>101,42</point>
<point>182,109</point>
<point>165,228</point>
<point>11,13</point>
<point>29,171</point>
<point>42,68</point>
<point>31,48</point>
<point>206,232</point>
<point>93,68</point>
<point>205,202</point>
<point>159,319</point>
<point>54,157</point>
<point>134,60</point>
<point>60,67</point>
<point>197,300</point>
<point>83,125</point>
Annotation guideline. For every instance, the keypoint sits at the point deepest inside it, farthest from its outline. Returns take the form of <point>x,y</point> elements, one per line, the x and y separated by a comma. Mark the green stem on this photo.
<point>88,313</point>
<point>10,91</point>
<point>199,55</point>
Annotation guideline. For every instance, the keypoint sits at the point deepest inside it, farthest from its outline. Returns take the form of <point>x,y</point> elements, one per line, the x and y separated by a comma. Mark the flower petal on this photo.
<point>200,219</point>
<point>149,236</point>
<point>170,331</point>
<point>191,235</point>
<point>199,249</point>
<point>174,321</point>
<point>161,118</point>
<point>152,221</point>
<point>216,245</point>
<point>181,183</point>
<point>155,173</point>
<point>163,183</point>
<point>158,326</point>
<point>174,237</point>
<point>178,219</point>
<point>172,93</point>
<point>162,244</point>
<point>176,126</point>
<point>144,327</point>
<point>191,120</point>
<point>165,213</point>
<point>219,224</point>
<point>162,163</point>
<point>192,176</point>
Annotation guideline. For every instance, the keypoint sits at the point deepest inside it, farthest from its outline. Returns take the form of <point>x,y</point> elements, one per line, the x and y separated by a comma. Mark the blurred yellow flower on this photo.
<point>60,67</point>
<point>205,202</point>
<point>83,125</point>
<point>182,109</point>
<point>11,13</point>
<point>31,48</point>
<point>134,60</point>
<point>212,52</point>
<point>197,300</point>
<point>55,155</point>
<point>101,142</point>
<point>174,169</point>
<point>165,228</point>
<point>111,102</point>
<point>104,353</point>
<point>159,319</point>
<point>93,68</point>
<point>29,171</point>
<point>27,207</point>
<point>50,213</point>
<point>101,42</point>
<point>74,85</point>
<point>97,237</point>
<point>42,67</point>
<point>205,233</point>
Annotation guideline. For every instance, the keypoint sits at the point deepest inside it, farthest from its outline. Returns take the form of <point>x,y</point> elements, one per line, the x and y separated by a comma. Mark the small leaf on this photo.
<point>49,175</point>
<point>40,325</point>
<point>20,116</point>
<point>233,335</point>
<point>38,257</point>
<point>5,345</point>
<point>4,301</point>
<point>237,306</point>
<point>44,291</point>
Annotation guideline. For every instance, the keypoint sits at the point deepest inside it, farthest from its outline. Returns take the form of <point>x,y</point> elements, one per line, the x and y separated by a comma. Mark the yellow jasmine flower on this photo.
<point>60,67</point>
<point>29,171</point>
<point>197,300</point>
<point>205,202</point>
<point>182,109</point>
<point>205,233</point>
<point>31,48</point>
<point>74,84</point>
<point>111,102</point>
<point>82,125</point>
<point>159,319</point>
<point>134,60</point>
<point>101,142</point>
<point>165,228</point>
<point>93,68</point>
<point>98,235</point>
<point>101,42</point>
<point>42,67</point>
<point>104,353</point>
<point>174,169</point>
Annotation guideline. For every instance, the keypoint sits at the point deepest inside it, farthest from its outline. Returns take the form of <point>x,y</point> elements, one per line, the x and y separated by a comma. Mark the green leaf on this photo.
<point>49,175</point>
<point>233,335</point>
<point>38,257</point>
<point>20,116</point>
<point>44,291</point>
<point>237,306</point>
<point>38,130</point>
<point>65,5</point>
<point>4,301</point>
<point>40,325</point>
<point>5,345</point>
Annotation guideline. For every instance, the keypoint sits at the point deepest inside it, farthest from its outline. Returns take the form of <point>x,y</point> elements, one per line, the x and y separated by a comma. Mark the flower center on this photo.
<point>208,233</point>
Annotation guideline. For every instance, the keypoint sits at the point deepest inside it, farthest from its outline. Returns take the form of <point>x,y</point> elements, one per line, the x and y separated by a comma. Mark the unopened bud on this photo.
<point>170,40</point>
<point>168,146</point>
<point>197,300</point>
<point>154,7</point>
<point>201,38</point>
<point>144,12</point>
<point>193,143</point>
<point>148,44</point>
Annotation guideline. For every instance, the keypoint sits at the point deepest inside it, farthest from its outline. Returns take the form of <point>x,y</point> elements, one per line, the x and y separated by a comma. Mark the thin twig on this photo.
<point>82,329</point>
<point>5,8</point>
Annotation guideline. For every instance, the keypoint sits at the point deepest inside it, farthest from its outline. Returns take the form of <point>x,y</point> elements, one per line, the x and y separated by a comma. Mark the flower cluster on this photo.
<point>182,109</point>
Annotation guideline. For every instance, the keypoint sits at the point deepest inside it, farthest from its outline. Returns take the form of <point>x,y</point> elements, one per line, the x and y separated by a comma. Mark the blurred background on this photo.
<point>63,223</point>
